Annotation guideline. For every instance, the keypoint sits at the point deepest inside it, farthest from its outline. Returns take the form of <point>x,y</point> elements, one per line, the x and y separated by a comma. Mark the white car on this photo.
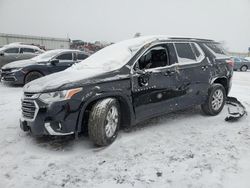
<point>17,51</point>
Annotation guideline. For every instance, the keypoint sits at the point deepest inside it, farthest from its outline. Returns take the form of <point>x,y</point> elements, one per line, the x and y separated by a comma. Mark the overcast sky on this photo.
<point>114,20</point>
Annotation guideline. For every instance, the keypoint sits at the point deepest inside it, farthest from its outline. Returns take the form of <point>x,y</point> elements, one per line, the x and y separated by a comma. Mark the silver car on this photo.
<point>14,52</point>
<point>241,64</point>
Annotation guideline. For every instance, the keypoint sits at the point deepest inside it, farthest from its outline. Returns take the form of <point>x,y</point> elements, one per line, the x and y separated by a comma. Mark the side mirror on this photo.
<point>54,61</point>
<point>1,53</point>
<point>139,71</point>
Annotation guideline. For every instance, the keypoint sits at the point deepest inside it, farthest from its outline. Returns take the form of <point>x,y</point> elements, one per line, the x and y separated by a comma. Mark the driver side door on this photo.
<point>65,60</point>
<point>155,82</point>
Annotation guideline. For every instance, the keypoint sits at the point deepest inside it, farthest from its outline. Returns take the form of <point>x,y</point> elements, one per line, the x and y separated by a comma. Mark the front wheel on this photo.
<point>32,76</point>
<point>244,68</point>
<point>215,101</point>
<point>104,121</point>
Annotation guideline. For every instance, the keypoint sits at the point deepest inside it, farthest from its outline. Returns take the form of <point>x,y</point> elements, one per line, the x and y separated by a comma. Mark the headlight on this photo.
<point>59,95</point>
<point>15,70</point>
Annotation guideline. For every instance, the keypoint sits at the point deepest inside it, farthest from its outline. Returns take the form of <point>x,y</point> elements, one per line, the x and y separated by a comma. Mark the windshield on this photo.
<point>112,57</point>
<point>3,48</point>
<point>46,55</point>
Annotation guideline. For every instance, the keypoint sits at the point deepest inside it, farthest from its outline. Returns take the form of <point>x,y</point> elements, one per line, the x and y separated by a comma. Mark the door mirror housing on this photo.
<point>54,61</point>
<point>139,71</point>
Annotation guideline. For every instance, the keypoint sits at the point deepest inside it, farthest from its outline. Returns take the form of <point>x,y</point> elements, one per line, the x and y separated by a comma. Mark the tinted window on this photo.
<point>27,50</point>
<point>237,59</point>
<point>155,57</point>
<point>196,51</point>
<point>66,56</point>
<point>171,53</point>
<point>216,48</point>
<point>81,56</point>
<point>185,52</point>
<point>12,51</point>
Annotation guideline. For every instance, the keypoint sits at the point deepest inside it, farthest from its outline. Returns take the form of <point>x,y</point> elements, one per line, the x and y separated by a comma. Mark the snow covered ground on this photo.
<point>182,149</point>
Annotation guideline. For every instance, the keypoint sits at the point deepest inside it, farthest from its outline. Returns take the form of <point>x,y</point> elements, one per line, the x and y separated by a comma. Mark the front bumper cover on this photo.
<point>50,119</point>
<point>12,77</point>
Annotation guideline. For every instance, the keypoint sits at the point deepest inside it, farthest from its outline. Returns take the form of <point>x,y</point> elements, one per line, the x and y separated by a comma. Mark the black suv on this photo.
<point>24,71</point>
<point>126,83</point>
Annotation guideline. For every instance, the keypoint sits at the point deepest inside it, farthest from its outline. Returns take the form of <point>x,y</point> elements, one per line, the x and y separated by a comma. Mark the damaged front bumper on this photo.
<point>39,118</point>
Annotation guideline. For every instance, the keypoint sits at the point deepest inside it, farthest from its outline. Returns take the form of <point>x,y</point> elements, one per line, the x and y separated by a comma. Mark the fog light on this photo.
<point>53,127</point>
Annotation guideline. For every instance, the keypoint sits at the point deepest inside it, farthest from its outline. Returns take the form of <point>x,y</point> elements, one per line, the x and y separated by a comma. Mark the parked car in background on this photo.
<point>247,58</point>
<point>15,51</point>
<point>24,71</point>
<point>241,64</point>
<point>126,83</point>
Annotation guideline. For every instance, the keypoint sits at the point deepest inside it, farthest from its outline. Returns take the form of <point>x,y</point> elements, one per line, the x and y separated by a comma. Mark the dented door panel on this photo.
<point>156,96</point>
<point>195,82</point>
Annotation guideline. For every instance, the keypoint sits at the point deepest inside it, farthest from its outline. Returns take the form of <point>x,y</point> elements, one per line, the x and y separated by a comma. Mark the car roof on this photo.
<point>18,45</point>
<point>66,50</point>
<point>167,38</point>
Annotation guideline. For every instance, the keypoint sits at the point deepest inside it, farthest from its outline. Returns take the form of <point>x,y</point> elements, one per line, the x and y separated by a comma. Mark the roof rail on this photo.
<point>186,38</point>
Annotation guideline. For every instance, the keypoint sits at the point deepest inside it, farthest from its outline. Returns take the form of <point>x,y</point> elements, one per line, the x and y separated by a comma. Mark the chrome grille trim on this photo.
<point>29,109</point>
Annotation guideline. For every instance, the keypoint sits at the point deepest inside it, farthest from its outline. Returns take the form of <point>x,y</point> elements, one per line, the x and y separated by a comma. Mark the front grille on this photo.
<point>28,109</point>
<point>28,95</point>
<point>8,78</point>
<point>5,71</point>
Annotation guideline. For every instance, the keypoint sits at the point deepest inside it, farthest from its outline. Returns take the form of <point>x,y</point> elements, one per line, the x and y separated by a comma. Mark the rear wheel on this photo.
<point>244,68</point>
<point>104,121</point>
<point>215,101</point>
<point>32,76</point>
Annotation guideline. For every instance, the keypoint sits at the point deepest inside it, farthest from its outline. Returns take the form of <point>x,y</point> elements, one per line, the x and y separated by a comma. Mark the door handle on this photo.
<point>205,67</point>
<point>169,72</point>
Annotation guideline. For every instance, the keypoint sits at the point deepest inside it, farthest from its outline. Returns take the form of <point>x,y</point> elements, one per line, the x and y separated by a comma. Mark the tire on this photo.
<point>104,121</point>
<point>215,101</point>
<point>32,76</point>
<point>243,68</point>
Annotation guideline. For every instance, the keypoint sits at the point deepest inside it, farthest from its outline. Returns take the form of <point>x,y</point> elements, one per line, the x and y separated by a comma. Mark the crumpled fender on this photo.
<point>236,110</point>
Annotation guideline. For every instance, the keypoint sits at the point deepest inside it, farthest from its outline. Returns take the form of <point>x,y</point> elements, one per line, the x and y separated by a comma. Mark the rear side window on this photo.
<point>27,50</point>
<point>185,52</point>
<point>12,51</point>
<point>237,59</point>
<point>81,56</point>
<point>66,56</point>
<point>216,48</point>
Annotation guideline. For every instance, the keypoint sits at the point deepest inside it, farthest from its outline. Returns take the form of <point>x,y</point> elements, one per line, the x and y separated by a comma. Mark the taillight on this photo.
<point>230,62</point>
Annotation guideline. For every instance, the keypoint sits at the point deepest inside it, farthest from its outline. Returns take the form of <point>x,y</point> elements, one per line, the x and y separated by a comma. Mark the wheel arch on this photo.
<point>32,70</point>
<point>223,81</point>
<point>127,113</point>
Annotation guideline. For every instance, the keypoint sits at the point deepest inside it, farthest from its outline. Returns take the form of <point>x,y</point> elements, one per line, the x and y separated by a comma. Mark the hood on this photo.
<point>19,64</point>
<point>67,78</point>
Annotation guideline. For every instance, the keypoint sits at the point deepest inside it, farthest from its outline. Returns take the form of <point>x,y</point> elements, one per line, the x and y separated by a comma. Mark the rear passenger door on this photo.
<point>80,56</point>
<point>193,71</point>
<point>27,53</point>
